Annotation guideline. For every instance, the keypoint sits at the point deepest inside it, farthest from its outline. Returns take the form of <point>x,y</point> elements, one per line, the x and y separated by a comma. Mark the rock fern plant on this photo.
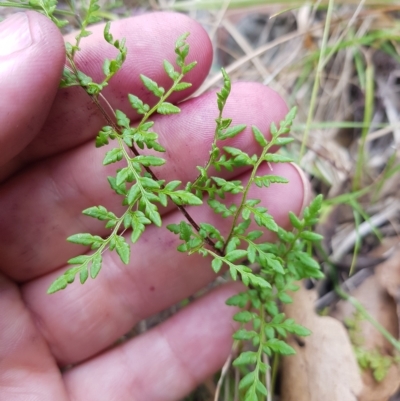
<point>268,270</point>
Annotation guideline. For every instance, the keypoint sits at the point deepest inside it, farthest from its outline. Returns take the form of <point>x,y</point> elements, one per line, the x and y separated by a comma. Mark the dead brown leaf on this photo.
<point>373,294</point>
<point>324,367</point>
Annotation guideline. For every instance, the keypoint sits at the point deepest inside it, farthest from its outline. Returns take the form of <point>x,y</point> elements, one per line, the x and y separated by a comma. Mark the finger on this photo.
<point>27,369</point>
<point>150,38</point>
<point>157,277</point>
<point>65,185</point>
<point>166,363</point>
<point>31,60</point>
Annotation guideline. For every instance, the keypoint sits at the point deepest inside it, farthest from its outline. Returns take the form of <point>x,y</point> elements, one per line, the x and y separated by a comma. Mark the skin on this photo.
<point>50,171</point>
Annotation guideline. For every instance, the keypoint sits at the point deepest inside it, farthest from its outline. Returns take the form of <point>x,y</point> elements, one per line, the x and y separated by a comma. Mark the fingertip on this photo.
<point>47,40</point>
<point>261,97</point>
<point>280,199</point>
<point>150,38</point>
<point>31,60</point>
<point>257,105</point>
<point>306,186</point>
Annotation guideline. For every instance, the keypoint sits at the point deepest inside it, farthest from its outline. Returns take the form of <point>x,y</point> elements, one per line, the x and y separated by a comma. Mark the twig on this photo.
<point>353,282</point>
<point>225,370</point>
<point>364,229</point>
<point>243,60</point>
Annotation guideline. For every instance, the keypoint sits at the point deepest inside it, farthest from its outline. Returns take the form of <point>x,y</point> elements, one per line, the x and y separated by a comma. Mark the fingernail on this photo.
<point>306,186</point>
<point>15,34</point>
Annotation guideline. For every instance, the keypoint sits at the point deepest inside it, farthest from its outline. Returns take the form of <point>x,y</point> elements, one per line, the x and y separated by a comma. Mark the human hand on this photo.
<point>51,171</point>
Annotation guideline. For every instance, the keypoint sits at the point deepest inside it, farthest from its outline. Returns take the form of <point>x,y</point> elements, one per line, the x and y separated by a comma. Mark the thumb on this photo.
<point>32,56</point>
